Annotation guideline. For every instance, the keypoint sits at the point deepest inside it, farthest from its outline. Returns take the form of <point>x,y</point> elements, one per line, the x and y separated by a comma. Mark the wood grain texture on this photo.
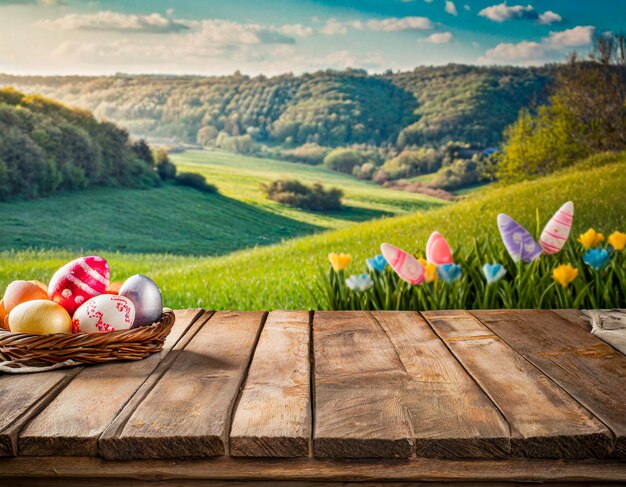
<point>591,371</point>
<point>273,416</point>
<point>72,423</point>
<point>108,441</point>
<point>449,415</point>
<point>22,396</point>
<point>574,316</point>
<point>310,469</point>
<point>187,413</point>
<point>545,421</point>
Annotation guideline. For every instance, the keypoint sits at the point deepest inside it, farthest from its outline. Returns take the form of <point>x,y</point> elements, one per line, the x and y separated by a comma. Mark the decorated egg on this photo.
<point>40,317</point>
<point>146,296</point>
<point>19,292</point>
<point>3,315</point>
<point>403,263</point>
<point>518,242</point>
<point>114,287</point>
<point>557,229</point>
<point>79,280</point>
<point>41,285</point>
<point>106,312</point>
<point>437,250</point>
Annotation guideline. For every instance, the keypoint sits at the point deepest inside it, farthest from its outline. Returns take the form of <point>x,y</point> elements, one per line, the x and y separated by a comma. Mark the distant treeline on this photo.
<point>427,106</point>
<point>47,147</point>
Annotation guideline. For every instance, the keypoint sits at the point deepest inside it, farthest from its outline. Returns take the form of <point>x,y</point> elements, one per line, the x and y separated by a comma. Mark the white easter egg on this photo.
<point>103,313</point>
<point>557,229</point>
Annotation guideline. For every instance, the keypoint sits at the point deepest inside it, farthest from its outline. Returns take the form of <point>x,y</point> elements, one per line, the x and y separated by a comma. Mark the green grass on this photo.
<point>281,276</point>
<point>240,177</point>
<point>184,221</point>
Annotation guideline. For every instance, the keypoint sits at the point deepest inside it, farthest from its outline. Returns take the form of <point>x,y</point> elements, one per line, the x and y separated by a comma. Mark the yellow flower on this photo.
<point>617,240</point>
<point>431,271</point>
<point>564,274</point>
<point>590,238</point>
<point>339,261</point>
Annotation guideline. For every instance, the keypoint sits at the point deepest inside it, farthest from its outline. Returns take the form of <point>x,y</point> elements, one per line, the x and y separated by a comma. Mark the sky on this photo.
<point>214,37</point>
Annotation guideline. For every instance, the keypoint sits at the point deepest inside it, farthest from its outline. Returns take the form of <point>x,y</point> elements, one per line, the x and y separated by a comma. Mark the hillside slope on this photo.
<point>429,104</point>
<point>280,276</point>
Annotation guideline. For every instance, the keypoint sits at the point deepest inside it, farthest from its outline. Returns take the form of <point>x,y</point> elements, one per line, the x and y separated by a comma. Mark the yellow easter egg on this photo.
<point>40,317</point>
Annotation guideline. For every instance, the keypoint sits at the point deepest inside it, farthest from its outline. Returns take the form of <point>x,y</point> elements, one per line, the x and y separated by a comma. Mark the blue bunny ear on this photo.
<point>519,243</point>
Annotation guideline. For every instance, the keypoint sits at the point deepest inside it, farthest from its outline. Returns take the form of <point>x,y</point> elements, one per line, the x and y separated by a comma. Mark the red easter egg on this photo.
<point>78,281</point>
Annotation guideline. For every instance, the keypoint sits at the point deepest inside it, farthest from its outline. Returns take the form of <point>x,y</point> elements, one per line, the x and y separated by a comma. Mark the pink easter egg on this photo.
<point>556,231</point>
<point>403,263</point>
<point>438,250</point>
<point>78,281</point>
<point>103,313</point>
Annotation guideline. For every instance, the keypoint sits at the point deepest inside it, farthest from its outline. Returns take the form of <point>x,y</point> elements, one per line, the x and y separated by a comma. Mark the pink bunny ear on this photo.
<point>556,231</point>
<point>437,250</point>
<point>518,241</point>
<point>403,263</point>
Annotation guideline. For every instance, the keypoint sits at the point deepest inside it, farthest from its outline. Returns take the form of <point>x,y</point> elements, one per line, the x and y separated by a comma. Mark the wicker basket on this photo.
<point>23,352</point>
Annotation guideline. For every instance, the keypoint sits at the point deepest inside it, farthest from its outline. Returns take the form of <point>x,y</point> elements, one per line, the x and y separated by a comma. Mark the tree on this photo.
<point>165,168</point>
<point>342,160</point>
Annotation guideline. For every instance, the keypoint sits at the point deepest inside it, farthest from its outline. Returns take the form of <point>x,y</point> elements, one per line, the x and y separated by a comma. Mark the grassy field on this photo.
<point>184,221</point>
<point>240,177</point>
<point>281,275</point>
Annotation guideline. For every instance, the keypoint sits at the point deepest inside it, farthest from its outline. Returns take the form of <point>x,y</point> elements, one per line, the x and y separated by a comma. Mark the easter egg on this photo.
<point>518,242</point>
<point>78,281</point>
<point>102,313</point>
<point>146,296</point>
<point>3,315</point>
<point>40,317</point>
<point>403,263</point>
<point>40,284</point>
<point>114,287</point>
<point>437,250</point>
<point>19,292</point>
<point>557,229</point>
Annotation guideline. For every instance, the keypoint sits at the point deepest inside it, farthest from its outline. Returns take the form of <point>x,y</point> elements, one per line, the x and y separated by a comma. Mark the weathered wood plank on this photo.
<point>73,421</point>
<point>273,416</point>
<point>22,396</point>
<point>545,421</point>
<point>187,413</point>
<point>358,376</point>
<point>385,386</point>
<point>587,368</point>
<point>308,469</point>
<point>574,316</point>
<point>450,416</point>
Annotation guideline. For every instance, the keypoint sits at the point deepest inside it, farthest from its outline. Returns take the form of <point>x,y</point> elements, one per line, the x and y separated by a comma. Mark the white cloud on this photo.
<point>42,3</point>
<point>389,24</point>
<point>451,8</point>
<point>502,12</point>
<point>439,38</point>
<point>113,21</point>
<point>549,17</point>
<point>170,11</point>
<point>575,37</point>
<point>531,53</point>
<point>467,7</point>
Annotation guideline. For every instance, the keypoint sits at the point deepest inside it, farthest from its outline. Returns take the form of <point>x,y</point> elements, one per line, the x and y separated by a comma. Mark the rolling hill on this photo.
<point>428,105</point>
<point>184,221</point>
<point>281,275</point>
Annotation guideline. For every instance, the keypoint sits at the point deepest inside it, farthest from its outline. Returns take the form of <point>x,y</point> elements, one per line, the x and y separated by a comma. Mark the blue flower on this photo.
<point>377,263</point>
<point>493,272</point>
<point>596,258</point>
<point>359,282</point>
<point>449,273</point>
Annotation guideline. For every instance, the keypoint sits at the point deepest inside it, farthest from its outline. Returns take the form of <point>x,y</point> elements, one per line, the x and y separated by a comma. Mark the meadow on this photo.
<point>284,275</point>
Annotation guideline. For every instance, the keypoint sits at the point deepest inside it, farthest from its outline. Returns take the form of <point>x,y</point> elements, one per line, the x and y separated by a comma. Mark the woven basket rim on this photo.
<point>4,333</point>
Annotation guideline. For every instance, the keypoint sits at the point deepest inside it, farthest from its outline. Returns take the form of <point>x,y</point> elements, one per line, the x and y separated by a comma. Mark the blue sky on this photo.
<point>271,37</point>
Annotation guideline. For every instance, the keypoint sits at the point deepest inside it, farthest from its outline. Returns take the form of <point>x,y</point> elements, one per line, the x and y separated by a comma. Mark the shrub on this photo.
<point>342,160</point>
<point>308,154</point>
<point>194,180</point>
<point>293,193</point>
<point>165,168</point>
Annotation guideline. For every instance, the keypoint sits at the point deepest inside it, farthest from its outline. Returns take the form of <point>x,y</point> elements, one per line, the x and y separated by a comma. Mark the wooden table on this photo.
<point>303,397</point>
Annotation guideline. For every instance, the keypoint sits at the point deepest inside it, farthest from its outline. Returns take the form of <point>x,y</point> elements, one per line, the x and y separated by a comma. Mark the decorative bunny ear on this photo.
<point>403,263</point>
<point>437,250</point>
<point>557,229</point>
<point>518,242</point>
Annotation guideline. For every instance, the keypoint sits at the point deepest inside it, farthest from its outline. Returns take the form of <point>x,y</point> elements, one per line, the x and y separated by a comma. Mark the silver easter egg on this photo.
<point>146,296</point>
